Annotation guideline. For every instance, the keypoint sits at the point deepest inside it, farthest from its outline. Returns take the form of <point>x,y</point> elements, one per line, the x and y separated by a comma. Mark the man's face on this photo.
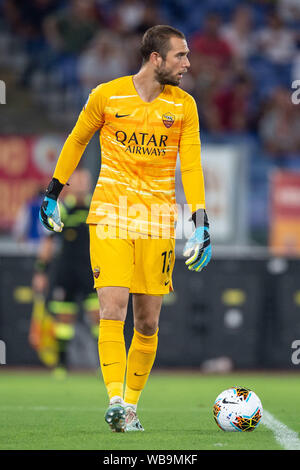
<point>176,63</point>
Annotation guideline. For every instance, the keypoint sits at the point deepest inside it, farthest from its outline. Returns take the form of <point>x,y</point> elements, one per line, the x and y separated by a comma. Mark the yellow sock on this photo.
<point>141,356</point>
<point>112,355</point>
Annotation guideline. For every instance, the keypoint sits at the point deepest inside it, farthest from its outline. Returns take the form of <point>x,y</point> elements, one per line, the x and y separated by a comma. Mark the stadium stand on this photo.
<point>244,57</point>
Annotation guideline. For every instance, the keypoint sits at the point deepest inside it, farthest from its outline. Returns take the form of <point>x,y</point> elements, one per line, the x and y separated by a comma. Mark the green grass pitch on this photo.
<point>40,413</point>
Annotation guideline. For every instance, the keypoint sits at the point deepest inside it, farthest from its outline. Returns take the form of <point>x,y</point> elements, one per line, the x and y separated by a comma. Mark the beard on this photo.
<point>165,77</point>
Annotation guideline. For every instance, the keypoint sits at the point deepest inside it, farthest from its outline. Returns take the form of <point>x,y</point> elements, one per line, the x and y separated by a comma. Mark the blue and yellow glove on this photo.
<point>49,211</point>
<point>198,246</point>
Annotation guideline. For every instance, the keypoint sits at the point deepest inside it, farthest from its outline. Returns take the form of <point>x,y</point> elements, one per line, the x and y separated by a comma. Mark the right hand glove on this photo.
<point>49,212</point>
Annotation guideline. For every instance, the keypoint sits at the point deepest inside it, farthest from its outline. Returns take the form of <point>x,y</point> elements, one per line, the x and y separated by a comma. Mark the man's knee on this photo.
<point>146,310</point>
<point>113,312</point>
<point>146,326</point>
<point>113,303</point>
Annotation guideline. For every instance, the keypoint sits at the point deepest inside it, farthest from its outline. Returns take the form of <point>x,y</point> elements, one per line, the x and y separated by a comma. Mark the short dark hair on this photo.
<point>156,39</point>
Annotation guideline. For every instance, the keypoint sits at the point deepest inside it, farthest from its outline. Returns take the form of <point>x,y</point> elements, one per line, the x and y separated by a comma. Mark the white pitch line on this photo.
<point>286,437</point>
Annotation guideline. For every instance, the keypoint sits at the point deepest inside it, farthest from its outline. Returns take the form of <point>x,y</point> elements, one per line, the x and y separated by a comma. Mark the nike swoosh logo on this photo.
<point>166,283</point>
<point>121,115</point>
<point>110,364</point>
<point>140,375</point>
<point>229,402</point>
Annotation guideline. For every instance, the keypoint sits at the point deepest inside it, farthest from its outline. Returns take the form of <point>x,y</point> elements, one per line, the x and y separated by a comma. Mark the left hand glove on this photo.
<point>198,245</point>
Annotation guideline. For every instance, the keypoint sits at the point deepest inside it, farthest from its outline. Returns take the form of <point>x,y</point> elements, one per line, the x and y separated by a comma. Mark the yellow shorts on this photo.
<point>145,266</point>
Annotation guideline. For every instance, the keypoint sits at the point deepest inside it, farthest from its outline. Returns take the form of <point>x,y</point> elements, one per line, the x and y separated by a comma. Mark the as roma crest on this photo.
<point>97,272</point>
<point>168,119</point>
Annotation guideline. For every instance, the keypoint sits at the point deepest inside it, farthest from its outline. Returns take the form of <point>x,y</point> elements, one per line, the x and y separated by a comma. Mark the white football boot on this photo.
<point>115,415</point>
<point>132,422</point>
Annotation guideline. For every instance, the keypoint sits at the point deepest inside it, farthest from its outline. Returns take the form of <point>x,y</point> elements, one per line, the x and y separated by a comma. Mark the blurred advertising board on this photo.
<point>285,213</point>
<point>26,163</point>
<point>226,192</point>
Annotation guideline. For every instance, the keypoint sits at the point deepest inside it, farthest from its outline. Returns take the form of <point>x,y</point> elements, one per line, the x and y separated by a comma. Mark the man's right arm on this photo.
<point>90,120</point>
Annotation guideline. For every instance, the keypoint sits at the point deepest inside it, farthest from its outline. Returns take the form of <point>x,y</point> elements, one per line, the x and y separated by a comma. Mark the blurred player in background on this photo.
<point>144,120</point>
<point>27,227</point>
<point>71,280</point>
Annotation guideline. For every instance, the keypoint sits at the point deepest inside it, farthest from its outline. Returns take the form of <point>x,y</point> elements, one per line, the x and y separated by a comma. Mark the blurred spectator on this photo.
<point>131,41</point>
<point>275,41</point>
<point>128,15</point>
<point>70,30</point>
<point>211,58</point>
<point>279,126</point>
<point>230,107</point>
<point>104,60</point>
<point>289,10</point>
<point>151,16</point>
<point>209,45</point>
<point>26,17</point>
<point>238,33</point>
<point>135,16</point>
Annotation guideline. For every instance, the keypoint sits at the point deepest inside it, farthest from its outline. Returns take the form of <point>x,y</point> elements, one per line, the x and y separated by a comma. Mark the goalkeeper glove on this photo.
<point>198,247</point>
<point>49,211</point>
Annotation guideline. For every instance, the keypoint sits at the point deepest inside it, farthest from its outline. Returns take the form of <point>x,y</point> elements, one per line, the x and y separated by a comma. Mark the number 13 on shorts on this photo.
<point>167,260</point>
<point>154,265</point>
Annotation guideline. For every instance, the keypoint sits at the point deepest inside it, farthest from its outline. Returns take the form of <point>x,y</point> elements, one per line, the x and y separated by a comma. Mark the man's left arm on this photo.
<point>198,247</point>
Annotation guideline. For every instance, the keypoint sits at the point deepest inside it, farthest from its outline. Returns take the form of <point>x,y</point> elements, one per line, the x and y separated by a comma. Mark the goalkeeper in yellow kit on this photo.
<point>144,121</point>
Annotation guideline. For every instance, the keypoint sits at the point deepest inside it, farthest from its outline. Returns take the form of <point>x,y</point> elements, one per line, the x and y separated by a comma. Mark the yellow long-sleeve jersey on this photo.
<point>139,143</point>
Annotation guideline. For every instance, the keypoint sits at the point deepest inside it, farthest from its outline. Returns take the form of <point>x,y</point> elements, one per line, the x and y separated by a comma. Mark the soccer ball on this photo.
<point>237,409</point>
